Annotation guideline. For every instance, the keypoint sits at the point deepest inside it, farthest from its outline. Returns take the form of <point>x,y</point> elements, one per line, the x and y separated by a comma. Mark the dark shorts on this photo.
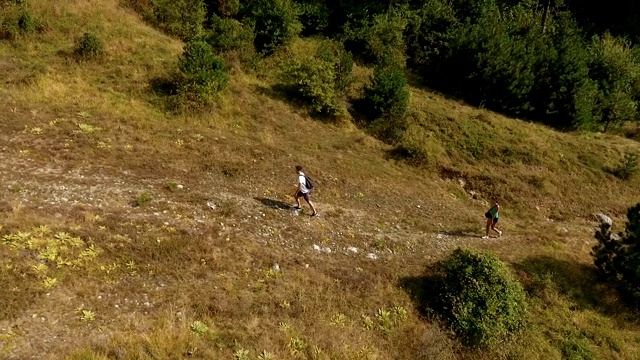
<point>303,195</point>
<point>495,220</point>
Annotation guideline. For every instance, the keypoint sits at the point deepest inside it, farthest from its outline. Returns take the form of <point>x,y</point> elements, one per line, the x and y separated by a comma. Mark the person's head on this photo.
<point>298,168</point>
<point>494,200</point>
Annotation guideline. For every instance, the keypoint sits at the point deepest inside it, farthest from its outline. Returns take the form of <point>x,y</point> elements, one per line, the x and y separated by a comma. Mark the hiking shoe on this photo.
<point>297,208</point>
<point>314,214</point>
<point>485,237</point>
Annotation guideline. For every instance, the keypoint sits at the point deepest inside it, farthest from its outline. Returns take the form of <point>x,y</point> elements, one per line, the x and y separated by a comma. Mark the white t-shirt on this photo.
<point>303,183</point>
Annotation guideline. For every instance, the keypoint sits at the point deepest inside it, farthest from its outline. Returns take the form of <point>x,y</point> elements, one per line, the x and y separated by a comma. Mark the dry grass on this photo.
<point>80,142</point>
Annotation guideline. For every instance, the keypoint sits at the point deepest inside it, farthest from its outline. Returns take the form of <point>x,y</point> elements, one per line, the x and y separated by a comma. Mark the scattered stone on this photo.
<point>352,249</point>
<point>211,205</point>
<point>372,256</point>
<point>327,250</point>
<point>316,247</point>
<point>180,187</point>
<point>276,267</point>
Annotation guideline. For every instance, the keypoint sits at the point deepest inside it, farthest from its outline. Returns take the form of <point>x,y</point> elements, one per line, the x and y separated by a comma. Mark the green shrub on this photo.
<point>479,298</point>
<point>312,80</point>
<point>429,32</point>
<point>314,16</point>
<point>618,257</point>
<point>385,38</point>
<point>141,199</point>
<point>333,52</point>
<point>378,38</point>
<point>15,19</point>
<point>276,22</point>
<point>225,8</point>
<point>616,70</point>
<point>203,73</point>
<point>89,46</point>
<point>627,168</point>
<point>229,34</point>
<point>26,22</point>
<point>182,18</point>
<point>388,94</point>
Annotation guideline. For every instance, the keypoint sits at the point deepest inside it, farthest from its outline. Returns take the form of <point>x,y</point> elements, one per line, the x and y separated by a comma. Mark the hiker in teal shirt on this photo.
<point>492,218</point>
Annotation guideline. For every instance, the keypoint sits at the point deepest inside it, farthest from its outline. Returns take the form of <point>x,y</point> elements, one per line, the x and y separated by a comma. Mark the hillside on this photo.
<point>130,232</point>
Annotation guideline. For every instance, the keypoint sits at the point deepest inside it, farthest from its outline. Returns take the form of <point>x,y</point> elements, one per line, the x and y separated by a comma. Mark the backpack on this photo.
<point>309,183</point>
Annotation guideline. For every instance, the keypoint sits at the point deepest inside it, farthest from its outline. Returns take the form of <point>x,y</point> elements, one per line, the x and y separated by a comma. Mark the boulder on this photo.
<point>604,219</point>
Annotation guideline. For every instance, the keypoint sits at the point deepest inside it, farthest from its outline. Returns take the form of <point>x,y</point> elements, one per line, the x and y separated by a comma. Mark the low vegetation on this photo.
<point>617,257</point>
<point>478,298</point>
<point>133,229</point>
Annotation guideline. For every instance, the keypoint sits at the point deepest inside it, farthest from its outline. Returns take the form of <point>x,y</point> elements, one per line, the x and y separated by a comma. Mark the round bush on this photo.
<point>89,46</point>
<point>312,80</point>
<point>203,73</point>
<point>229,34</point>
<point>334,52</point>
<point>182,18</point>
<point>479,298</point>
<point>276,22</point>
<point>388,94</point>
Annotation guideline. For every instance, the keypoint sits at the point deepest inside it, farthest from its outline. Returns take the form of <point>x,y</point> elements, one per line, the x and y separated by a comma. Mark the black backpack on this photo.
<point>309,183</point>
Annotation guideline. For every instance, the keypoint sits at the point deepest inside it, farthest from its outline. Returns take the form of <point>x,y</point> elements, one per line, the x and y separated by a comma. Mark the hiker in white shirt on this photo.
<point>303,192</point>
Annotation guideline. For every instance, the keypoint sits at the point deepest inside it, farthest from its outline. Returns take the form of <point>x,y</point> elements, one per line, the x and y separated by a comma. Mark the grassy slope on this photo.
<point>174,260</point>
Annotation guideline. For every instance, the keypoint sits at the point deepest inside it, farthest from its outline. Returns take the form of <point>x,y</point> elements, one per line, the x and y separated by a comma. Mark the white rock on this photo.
<point>327,250</point>
<point>352,249</point>
<point>602,218</point>
<point>180,187</point>
<point>372,256</point>
<point>276,267</point>
<point>316,247</point>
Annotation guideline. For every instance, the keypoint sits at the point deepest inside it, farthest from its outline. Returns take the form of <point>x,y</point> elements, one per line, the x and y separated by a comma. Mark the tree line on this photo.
<point>567,63</point>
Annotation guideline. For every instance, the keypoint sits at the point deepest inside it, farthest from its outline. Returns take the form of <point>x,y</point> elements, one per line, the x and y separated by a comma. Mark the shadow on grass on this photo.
<point>422,290</point>
<point>163,86</point>
<point>301,106</point>
<point>274,204</point>
<point>579,282</point>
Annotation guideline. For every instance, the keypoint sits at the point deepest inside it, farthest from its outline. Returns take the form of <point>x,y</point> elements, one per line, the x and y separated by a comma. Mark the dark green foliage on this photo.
<point>492,62</point>
<point>342,60</point>
<point>182,18</point>
<point>380,38</point>
<point>564,95</point>
<point>388,94</point>
<point>223,8</point>
<point>314,16</point>
<point>16,19</point>
<point>616,71</point>
<point>276,22</point>
<point>26,22</point>
<point>479,298</point>
<point>618,257</point>
<point>203,72</point>
<point>229,34</point>
<point>89,46</point>
<point>312,80</point>
<point>429,33</point>
<point>627,168</point>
